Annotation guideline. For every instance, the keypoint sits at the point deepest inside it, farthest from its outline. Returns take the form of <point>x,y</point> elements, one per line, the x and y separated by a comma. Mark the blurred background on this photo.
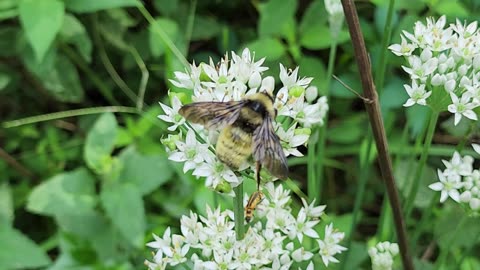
<point>84,187</point>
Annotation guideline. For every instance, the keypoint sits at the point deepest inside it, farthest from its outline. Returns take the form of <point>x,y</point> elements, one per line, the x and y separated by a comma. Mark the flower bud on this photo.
<point>311,93</point>
<point>394,248</point>
<point>442,68</point>
<point>450,85</point>
<point>296,91</point>
<point>223,187</point>
<point>450,62</point>
<point>169,142</point>
<point>442,58</point>
<point>466,196</point>
<point>475,204</point>
<point>476,62</point>
<point>438,79</point>
<point>464,81</point>
<point>255,80</point>
<point>426,55</point>
<point>462,70</point>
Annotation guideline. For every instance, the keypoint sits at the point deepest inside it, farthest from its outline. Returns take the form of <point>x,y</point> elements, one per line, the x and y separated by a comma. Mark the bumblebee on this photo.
<point>252,203</point>
<point>246,129</point>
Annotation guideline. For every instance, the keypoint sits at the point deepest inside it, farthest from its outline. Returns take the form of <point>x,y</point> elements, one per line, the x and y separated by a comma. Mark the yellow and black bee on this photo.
<point>252,203</point>
<point>246,129</point>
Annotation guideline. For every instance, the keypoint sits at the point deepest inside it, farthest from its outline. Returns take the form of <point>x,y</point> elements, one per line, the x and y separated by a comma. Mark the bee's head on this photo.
<point>262,103</point>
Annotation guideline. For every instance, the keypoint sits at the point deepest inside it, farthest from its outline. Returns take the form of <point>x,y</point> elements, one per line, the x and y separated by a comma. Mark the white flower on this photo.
<point>243,67</point>
<point>313,211</point>
<point>448,187</point>
<point>462,107</point>
<point>302,226</point>
<point>171,114</point>
<point>290,141</point>
<point>192,152</point>
<point>458,165</point>
<point>417,94</point>
<point>216,172</point>
<point>329,246</point>
<point>290,78</point>
<point>402,49</point>
<point>420,70</point>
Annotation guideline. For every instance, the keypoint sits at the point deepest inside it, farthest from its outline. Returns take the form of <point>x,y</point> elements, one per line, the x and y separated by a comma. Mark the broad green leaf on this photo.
<point>314,14</point>
<point>313,67</point>
<point>167,7</point>
<point>83,6</point>
<point>124,206</point>
<point>146,172</point>
<point>273,15</point>
<point>318,36</point>
<point>417,116</point>
<point>8,40</point>
<point>6,205</point>
<point>74,32</point>
<point>450,8</point>
<point>393,95</point>
<point>8,9</point>
<point>271,48</point>
<point>356,255</point>
<point>100,143</point>
<point>18,251</point>
<point>454,228</point>
<point>157,41</point>
<point>205,28</point>
<point>41,21</point>
<point>63,194</point>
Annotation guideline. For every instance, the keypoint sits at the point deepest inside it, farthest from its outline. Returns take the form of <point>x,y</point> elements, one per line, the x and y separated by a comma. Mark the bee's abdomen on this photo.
<point>234,146</point>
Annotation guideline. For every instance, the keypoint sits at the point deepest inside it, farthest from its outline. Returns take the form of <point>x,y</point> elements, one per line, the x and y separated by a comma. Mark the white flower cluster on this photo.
<point>274,241</point>
<point>382,255</point>
<point>444,66</point>
<point>460,181</point>
<point>298,105</point>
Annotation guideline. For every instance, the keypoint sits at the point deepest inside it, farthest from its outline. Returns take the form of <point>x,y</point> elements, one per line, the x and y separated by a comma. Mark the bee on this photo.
<point>252,203</point>
<point>246,129</point>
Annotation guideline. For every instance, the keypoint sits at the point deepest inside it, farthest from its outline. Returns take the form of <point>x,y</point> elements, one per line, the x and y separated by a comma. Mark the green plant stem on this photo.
<point>238,212</point>
<point>65,114</point>
<point>364,176</point>
<point>105,91</point>
<point>421,164</point>
<point>315,175</point>
<point>387,32</point>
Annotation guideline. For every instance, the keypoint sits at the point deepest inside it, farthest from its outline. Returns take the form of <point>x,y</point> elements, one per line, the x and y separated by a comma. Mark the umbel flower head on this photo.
<point>233,79</point>
<point>273,241</point>
<point>460,181</point>
<point>382,255</point>
<point>443,63</point>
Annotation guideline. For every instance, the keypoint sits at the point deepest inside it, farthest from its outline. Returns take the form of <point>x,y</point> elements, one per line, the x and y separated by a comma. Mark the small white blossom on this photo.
<point>329,246</point>
<point>462,107</point>
<point>171,114</point>
<point>448,186</point>
<point>417,94</point>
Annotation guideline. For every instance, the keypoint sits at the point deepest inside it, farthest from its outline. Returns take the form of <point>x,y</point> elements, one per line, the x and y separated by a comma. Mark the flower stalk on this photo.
<point>375,117</point>
<point>238,212</point>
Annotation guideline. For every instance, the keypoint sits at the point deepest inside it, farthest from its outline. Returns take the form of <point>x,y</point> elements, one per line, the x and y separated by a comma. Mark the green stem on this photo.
<point>238,212</point>
<point>364,176</point>
<point>421,164</point>
<point>315,179</point>
<point>65,114</point>
<point>387,32</point>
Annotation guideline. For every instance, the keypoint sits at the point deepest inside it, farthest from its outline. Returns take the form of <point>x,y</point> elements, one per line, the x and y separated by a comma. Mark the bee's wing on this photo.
<point>268,150</point>
<point>212,114</point>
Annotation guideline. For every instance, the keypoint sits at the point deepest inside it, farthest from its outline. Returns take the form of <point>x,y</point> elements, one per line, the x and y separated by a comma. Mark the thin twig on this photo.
<point>16,165</point>
<point>376,121</point>
<point>143,81</point>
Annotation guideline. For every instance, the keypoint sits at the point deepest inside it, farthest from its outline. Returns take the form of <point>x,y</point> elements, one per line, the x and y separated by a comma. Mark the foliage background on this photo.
<point>85,189</point>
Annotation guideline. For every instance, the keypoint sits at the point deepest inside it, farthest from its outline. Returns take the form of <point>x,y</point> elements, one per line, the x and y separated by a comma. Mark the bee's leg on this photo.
<point>258,169</point>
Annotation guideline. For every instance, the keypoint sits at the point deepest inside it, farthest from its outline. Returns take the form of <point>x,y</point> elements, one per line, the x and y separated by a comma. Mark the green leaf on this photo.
<point>4,80</point>
<point>8,40</point>
<point>205,28</point>
<point>6,205</point>
<point>317,36</point>
<point>393,95</point>
<point>271,48</point>
<point>417,116</point>
<point>8,9</point>
<point>124,206</point>
<point>273,16</point>
<point>100,143</point>
<point>74,32</point>
<point>41,21</point>
<point>157,43</point>
<point>350,130</point>
<point>313,67</point>
<point>18,251</point>
<point>95,5</point>
<point>450,8</point>
<point>72,192</point>
<point>145,172</point>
